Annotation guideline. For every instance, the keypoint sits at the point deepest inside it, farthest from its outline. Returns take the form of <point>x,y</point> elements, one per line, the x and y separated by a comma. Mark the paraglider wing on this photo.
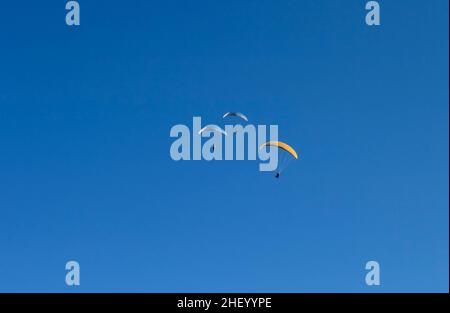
<point>238,114</point>
<point>281,145</point>
<point>212,128</point>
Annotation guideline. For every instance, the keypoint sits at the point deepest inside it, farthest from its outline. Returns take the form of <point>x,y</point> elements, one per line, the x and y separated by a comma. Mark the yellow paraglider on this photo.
<point>285,147</point>
<point>280,145</point>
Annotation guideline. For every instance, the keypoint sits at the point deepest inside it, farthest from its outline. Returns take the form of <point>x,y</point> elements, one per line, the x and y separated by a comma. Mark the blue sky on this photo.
<point>86,174</point>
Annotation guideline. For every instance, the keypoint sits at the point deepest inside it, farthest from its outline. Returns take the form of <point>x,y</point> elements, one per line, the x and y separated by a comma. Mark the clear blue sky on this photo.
<point>86,175</point>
